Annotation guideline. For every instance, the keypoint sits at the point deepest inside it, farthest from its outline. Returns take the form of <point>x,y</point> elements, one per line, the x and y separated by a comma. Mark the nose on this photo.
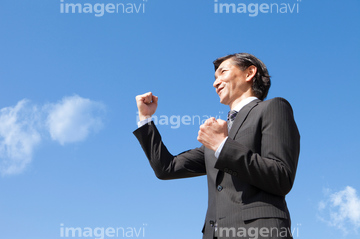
<point>216,82</point>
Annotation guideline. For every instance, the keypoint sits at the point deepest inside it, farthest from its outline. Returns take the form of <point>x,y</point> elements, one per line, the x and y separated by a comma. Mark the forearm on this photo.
<point>273,175</point>
<point>164,164</point>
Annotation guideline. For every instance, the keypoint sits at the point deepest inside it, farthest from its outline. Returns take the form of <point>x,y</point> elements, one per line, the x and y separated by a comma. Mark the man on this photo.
<point>250,161</point>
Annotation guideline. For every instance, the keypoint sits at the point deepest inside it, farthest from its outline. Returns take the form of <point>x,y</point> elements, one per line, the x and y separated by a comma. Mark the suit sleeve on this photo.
<point>273,168</point>
<point>190,163</point>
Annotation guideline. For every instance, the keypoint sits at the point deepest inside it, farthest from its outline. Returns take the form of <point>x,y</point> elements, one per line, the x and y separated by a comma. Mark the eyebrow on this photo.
<point>219,69</point>
<point>216,72</point>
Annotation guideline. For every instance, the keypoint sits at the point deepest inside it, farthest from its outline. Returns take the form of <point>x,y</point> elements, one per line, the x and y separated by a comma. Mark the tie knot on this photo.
<point>231,115</point>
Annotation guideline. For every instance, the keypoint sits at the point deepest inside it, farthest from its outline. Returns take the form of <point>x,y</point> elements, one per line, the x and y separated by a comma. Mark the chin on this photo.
<point>223,97</point>
<point>223,101</point>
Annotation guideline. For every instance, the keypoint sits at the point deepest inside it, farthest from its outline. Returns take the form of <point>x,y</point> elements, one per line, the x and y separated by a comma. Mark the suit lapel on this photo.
<point>241,116</point>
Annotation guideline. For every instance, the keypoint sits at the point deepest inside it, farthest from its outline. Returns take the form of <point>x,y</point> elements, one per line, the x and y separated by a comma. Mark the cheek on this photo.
<point>232,86</point>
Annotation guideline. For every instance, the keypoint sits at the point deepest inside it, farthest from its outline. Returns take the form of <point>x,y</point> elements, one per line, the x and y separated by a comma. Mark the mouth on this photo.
<point>219,90</point>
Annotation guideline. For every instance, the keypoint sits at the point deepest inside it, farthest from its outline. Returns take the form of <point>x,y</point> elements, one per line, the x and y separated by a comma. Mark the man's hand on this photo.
<point>212,133</point>
<point>147,104</point>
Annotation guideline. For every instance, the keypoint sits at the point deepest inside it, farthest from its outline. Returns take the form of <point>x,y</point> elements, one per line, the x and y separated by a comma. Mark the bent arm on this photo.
<point>272,169</point>
<point>165,165</point>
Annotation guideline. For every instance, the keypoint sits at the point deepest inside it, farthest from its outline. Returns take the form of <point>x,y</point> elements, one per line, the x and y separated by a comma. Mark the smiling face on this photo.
<point>232,84</point>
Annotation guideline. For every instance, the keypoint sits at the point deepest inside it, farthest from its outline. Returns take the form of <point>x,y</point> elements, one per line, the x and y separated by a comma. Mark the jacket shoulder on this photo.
<point>275,100</point>
<point>276,103</point>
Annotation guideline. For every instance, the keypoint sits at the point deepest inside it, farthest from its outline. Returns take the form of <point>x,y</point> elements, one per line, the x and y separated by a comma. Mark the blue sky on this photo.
<point>68,83</point>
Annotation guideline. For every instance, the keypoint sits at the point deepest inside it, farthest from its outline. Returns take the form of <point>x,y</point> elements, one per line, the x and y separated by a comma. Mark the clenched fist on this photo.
<point>147,104</point>
<point>212,133</point>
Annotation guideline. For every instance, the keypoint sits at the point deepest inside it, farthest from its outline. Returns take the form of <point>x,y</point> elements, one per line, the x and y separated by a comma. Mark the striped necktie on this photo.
<point>231,117</point>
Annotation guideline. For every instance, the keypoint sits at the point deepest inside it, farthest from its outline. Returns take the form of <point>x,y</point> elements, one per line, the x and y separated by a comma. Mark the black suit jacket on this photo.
<point>253,173</point>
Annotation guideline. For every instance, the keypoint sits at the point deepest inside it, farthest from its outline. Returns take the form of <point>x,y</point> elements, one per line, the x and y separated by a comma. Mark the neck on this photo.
<point>241,98</point>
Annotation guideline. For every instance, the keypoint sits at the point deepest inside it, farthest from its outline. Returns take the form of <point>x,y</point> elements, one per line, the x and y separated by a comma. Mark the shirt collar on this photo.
<point>244,102</point>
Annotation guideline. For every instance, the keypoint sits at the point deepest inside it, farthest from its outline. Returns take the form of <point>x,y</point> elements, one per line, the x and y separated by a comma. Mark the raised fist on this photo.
<point>147,104</point>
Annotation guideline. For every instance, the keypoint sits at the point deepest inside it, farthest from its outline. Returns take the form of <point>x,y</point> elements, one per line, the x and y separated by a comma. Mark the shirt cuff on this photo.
<point>144,122</point>
<point>218,151</point>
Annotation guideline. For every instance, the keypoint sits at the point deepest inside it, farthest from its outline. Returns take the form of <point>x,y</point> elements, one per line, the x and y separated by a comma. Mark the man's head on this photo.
<point>240,75</point>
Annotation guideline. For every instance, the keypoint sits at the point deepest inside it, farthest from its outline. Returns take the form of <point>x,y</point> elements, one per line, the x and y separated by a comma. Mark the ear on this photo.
<point>250,72</point>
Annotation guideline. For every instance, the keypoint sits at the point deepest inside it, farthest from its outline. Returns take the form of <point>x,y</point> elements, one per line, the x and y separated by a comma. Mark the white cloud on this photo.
<point>18,137</point>
<point>70,120</point>
<point>73,119</point>
<point>342,210</point>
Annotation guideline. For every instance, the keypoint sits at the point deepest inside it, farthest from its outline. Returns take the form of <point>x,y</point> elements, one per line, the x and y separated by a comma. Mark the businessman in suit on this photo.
<point>250,160</point>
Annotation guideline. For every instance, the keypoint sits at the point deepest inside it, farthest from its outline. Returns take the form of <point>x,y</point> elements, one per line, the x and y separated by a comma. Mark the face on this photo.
<point>232,84</point>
